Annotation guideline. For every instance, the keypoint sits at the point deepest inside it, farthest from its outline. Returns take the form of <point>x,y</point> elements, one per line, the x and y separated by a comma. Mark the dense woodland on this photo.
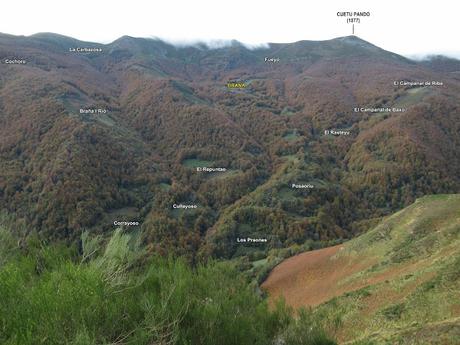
<point>168,111</point>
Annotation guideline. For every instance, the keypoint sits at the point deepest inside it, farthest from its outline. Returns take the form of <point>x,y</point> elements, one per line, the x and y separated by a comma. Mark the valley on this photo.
<point>142,135</point>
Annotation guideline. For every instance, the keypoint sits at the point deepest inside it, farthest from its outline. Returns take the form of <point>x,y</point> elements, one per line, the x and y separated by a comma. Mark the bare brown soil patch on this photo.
<point>315,277</point>
<point>311,278</point>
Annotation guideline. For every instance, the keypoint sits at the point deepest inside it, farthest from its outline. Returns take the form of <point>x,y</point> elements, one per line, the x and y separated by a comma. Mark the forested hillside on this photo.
<point>121,133</point>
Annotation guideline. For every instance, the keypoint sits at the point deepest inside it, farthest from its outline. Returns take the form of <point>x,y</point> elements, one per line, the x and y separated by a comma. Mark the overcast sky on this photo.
<point>407,27</point>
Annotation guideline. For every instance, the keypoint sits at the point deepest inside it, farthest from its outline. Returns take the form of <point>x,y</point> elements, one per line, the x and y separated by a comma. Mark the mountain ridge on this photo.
<point>54,37</point>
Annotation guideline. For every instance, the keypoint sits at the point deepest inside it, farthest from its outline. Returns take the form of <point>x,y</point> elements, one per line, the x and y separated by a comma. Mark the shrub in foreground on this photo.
<point>114,294</point>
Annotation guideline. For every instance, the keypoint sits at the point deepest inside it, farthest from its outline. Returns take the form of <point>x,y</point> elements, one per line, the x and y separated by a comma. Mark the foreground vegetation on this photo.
<point>115,294</point>
<point>114,291</point>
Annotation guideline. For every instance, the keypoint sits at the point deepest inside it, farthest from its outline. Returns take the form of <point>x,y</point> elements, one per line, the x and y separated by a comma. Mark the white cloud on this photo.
<point>405,27</point>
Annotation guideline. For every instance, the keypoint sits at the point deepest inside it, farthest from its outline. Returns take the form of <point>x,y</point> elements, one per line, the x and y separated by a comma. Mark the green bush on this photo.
<point>117,295</point>
<point>306,329</point>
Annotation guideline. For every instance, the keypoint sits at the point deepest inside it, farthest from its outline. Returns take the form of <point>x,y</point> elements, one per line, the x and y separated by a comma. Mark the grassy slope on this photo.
<point>414,291</point>
<point>402,283</point>
<point>415,279</point>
